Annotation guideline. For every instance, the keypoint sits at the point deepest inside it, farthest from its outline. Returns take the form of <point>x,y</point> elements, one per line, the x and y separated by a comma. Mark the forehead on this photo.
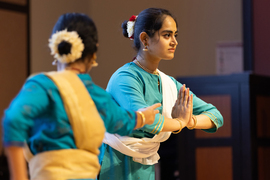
<point>169,24</point>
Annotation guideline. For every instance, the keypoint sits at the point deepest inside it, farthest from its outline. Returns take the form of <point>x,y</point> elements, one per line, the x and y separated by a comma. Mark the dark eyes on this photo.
<point>169,34</point>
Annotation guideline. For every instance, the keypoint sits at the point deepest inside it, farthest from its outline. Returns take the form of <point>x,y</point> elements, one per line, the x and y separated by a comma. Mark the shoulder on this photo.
<point>128,68</point>
<point>37,77</point>
<point>93,89</point>
<point>40,79</point>
<point>174,80</point>
<point>127,74</point>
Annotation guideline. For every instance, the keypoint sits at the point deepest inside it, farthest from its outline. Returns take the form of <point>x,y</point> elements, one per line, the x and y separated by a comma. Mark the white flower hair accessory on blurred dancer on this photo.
<point>73,39</point>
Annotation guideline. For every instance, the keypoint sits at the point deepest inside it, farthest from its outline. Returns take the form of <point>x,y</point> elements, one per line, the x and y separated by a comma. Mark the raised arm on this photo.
<point>205,115</point>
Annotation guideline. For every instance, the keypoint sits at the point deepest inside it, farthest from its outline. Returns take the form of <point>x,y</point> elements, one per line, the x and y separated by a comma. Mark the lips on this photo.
<point>172,49</point>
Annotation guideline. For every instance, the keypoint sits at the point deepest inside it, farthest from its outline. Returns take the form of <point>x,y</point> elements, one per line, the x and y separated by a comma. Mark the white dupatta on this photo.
<point>144,150</point>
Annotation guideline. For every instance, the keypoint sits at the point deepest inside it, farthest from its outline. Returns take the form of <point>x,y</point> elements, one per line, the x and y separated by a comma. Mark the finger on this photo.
<point>179,96</point>
<point>190,100</point>
<point>156,111</point>
<point>154,106</point>
<point>183,88</point>
<point>186,97</point>
<point>179,92</point>
<point>178,100</point>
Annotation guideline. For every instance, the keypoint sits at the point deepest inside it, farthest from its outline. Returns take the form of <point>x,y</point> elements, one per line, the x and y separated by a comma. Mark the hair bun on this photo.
<point>64,48</point>
<point>124,27</point>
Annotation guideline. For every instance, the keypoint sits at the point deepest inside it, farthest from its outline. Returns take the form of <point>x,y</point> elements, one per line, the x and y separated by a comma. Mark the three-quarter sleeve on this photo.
<point>117,120</point>
<point>18,118</point>
<point>128,90</point>
<point>202,107</point>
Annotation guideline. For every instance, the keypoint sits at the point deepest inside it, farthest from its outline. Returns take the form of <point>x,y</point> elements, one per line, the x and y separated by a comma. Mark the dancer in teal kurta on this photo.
<point>59,118</point>
<point>33,108</point>
<point>140,84</point>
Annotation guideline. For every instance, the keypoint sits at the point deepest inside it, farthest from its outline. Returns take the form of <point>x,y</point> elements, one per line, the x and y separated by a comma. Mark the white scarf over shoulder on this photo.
<point>144,150</point>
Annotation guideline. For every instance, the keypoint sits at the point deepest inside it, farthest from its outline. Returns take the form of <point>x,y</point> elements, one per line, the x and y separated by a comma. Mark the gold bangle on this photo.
<point>181,127</point>
<point>195,122</point>
<point>143,118</point>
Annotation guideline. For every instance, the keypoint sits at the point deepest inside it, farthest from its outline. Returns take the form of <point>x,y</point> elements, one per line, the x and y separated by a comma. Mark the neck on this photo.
<point>147,62</point>
<point>77,68</point>
<point>141,63</point>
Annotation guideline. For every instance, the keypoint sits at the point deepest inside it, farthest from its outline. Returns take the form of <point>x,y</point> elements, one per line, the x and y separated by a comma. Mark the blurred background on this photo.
<point>223,55</point>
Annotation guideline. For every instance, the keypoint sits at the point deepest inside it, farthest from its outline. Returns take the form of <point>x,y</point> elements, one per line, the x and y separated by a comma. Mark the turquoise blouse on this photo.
<point>37,116</point>
<point>133,88</point>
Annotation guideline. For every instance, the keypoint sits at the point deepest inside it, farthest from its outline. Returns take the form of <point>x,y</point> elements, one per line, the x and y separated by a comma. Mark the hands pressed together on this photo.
<point>182,111</point>
<point>183,108</point>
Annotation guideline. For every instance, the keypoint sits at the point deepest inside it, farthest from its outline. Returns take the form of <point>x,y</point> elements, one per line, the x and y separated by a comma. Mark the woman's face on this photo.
<point>163,44</point>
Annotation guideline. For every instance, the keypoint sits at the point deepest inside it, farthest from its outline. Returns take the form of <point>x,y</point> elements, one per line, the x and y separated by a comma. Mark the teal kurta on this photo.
<point>37,116</point>
<point>134,88</point>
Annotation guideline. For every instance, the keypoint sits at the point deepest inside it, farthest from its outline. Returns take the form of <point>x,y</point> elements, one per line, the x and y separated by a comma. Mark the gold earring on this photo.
<point>145,47</point>
<point>94,63</point>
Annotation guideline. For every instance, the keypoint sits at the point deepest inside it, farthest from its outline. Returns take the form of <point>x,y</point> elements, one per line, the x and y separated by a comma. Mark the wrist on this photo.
<point>194,120</point>
<point>183,122</point>
<point>142,119</point>
<point>180,126</point>
<point>174,117</point>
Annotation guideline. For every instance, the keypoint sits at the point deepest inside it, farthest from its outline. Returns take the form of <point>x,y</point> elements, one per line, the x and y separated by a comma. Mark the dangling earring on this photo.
<point>54,62</point>
<point>93,60</point>
<point>94,63</point>
<point>145,47</point>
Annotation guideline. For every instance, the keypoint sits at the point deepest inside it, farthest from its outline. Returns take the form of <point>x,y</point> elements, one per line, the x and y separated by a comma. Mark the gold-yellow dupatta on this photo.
<point>87,125</point>
<point>88,129</point>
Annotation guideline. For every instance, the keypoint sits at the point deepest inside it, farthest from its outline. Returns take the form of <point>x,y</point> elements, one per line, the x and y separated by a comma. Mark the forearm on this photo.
<point>203,122</point>
<point>17,164</point>
<point>172,125</point>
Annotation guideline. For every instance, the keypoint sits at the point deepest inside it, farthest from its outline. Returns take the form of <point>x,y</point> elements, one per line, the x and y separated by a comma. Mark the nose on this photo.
<point>174,41</point>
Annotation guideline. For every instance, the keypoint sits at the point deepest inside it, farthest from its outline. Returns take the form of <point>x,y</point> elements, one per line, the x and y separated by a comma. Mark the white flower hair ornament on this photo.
<point>71,37</point>
<point>130,26</point>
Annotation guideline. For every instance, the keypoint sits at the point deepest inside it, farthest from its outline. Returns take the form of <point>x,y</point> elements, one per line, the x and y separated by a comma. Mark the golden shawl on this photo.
<point>88,129</point>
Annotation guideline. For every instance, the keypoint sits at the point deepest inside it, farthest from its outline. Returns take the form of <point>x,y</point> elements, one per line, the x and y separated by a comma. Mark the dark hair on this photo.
<point>149,20</point>
<point>84,26</point>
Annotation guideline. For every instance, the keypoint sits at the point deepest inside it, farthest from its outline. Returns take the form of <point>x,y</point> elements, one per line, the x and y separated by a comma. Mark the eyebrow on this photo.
<point>169,31</point>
